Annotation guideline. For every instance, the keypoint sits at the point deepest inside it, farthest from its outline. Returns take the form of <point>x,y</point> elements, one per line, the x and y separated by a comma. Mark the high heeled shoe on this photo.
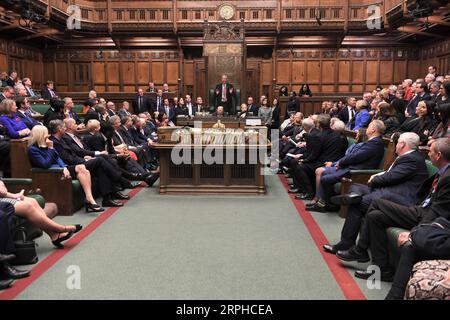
<point>58,242</point>
<point>93,207</point>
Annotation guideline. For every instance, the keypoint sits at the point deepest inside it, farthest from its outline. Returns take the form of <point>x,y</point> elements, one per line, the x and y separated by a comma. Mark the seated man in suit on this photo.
<point>199,107</point>
<point>69,113</point>
<point>168,110</point>
<point>138,133</point>
<point>433,202</point>
<point>220,112</point>
<point>125,111</point>
<point>28,87</point>
<point>48,92</point>
<point>7,93</point>
<point>122,136</point>
<point>368,156</point>
<point>24,113</point>
<point>91,112</point>
<point>166,88</point>
<point>105,176</point>
<point>324,146</point>
<point>400,183</point>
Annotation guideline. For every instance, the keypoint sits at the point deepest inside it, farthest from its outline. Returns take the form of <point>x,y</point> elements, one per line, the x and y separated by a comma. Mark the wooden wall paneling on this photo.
<point>143,72</point>
<point>372,72</point>
<point>112,69</point>
<point>328,72</point>
<point>357,73</point>
<point>283,72</point>
<point>61,73</point>
<point>313,73</point>
<point>172,72</point>
<point>158,72</point>
<point>386,73</point>
<point>343,76</point>
<point>4,62</point>
<point>49,71</point>
<point>298,72</point>
<point>128,71</point>
<point>400,71</point>
<point>413,68</point>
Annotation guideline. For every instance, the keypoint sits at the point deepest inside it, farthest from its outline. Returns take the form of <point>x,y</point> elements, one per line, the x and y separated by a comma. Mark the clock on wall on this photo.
<point>226,11</point>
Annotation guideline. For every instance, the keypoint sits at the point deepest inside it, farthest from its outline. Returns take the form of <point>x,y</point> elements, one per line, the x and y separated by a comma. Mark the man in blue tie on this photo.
<point>30,93</point>
<point>24,112</point>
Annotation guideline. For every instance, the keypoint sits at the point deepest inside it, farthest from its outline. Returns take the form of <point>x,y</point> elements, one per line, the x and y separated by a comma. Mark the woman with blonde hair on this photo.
<point>15,127</point>
<point>43,155</point>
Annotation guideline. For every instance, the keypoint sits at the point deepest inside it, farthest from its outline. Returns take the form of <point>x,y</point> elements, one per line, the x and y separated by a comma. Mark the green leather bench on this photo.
<point>393,233</point>
<point>42,108</point>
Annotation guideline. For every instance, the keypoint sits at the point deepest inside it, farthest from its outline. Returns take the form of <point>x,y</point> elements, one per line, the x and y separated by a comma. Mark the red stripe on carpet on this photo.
<point>20,285</point>
<point>349,287</point>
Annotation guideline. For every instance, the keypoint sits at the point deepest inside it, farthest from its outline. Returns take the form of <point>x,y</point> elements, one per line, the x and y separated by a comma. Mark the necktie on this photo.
<point>120,137</point>
<point>140,103</point>
<point>427,201</point>
<point>30,91</point>
<point>224,93</point>
<point>78,142</point>
<point>70,114</point>
<point>52,94</point>
<point>167,111</point>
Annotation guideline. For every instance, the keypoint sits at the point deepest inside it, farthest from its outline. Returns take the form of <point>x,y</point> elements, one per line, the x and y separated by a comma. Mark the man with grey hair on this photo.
<point>399,183</point>
<point>368,156</point>
<point>433,202</point>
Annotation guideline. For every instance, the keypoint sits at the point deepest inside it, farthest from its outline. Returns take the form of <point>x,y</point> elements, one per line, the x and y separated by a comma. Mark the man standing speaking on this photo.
<point>224,95</point>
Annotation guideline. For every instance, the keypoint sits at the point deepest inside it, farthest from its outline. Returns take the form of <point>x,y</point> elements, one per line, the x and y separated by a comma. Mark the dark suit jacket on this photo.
<point>123,113</point>
<point>330,146</point>
<point>343,115</point>
<point>253,108</point>
<point>95,142</point>
<point>92,114</point>
<point>51,114</point>
<point>127,137</point>
<point>367,157</point>
<point>66,153</point>
<point>46,93</point>
<point>198,108</point>
<point>404,178</point>
<point>137,136</point>
<point>313,148</point>
<point>440,199</point>
<point>30,122</point>
<point>218,96</point>
<point>145,105</point>
<point>171,116</point>
<point>75,117</point>
<point>80,152</point>
<point>412,105</point>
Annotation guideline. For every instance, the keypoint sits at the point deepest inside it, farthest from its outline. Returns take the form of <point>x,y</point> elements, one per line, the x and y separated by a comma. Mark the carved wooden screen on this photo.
<point>224,52</point>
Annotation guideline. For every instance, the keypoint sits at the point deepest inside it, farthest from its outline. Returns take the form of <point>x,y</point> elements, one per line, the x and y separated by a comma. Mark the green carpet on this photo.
<point>197,247</point>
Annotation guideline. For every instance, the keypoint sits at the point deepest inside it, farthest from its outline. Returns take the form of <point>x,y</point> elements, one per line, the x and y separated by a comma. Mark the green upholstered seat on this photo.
<point>393,233</point>
<point>41,108</point>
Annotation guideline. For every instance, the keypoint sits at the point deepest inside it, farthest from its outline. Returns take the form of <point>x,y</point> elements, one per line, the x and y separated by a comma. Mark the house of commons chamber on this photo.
<point>259,150</point>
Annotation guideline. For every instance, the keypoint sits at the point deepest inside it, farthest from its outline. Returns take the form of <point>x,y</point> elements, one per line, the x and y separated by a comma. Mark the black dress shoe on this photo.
<point>293,190</point>
<point>150,181</point>
<point>6,257</point>
<point>8,272</point>
<point>120,196</point>
<point>5,284</point>
<point>334,248</point>
<point>347,199</point>
<point>385,275</point>
<point>353,254</point>
<point>111,203</point>
<point>317,208</point>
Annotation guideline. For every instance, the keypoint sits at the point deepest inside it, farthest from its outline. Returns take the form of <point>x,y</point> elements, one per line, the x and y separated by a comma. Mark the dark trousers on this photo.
<point>357,212</point>
<point>104,175</point>
<point>6,241</point>
<point>327,181</point>
<point>409,257</point>
<point>383,214</point>
<point>304,177</point>
<point>5,158</point>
